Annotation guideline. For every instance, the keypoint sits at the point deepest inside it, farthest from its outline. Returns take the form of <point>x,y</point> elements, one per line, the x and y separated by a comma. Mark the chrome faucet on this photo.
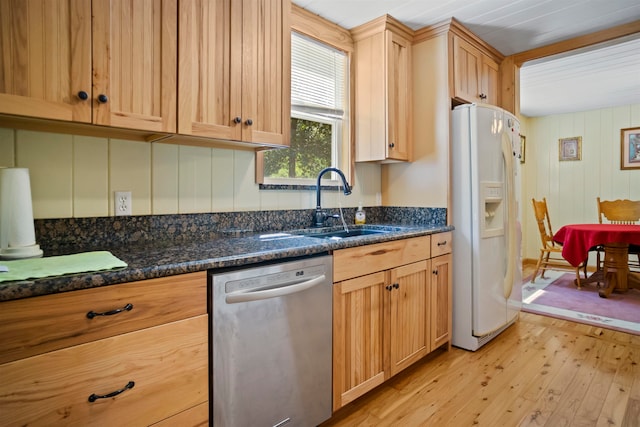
<point>320,216</point>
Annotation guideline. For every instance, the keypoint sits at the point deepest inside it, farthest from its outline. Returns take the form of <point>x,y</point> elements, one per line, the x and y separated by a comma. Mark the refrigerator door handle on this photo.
<point>510,221</point>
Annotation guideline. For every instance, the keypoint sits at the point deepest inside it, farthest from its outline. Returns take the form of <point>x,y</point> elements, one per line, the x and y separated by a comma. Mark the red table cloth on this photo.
<point>577,239</point>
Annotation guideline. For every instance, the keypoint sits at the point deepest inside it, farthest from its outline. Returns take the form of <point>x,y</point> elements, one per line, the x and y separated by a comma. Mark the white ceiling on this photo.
<point>591,79</point>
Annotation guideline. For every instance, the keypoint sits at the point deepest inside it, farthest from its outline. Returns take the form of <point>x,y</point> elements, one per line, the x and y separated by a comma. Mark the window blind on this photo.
<point>317,77</point>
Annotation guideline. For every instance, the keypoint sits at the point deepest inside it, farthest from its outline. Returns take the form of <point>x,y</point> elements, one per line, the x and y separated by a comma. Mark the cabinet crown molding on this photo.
<point>455,27</point>
<point>385,22</point>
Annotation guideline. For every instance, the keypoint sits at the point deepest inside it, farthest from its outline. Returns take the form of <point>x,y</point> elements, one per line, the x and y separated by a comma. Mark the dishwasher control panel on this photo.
<point>267,281</point>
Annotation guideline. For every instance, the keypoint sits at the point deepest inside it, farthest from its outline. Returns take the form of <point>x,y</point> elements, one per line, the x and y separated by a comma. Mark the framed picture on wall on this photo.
<point>630,148</point>
<point>523,146</point>
<point>570,148</point>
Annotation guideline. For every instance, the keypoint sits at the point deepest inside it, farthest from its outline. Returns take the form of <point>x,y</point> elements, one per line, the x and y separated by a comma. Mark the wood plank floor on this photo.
<point>539,372</point>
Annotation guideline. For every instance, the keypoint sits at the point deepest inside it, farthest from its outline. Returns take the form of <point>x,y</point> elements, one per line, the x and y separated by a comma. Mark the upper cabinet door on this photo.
<point>209,101</point>
<point>476,76</point>
<point>490,80</point>
<point>399,105</point>
<point>234,70</point>
<point>45,59</point>
<point>467,64</point>
<point>134,64</point>
<point>266,71</point>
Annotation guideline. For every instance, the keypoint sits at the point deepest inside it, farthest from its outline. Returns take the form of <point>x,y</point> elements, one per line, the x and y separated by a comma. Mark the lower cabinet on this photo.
<point>441,294</point>
<point>441,290</point>
<point>409,315</point>
<point>136,355</point>
<point>396,310</point>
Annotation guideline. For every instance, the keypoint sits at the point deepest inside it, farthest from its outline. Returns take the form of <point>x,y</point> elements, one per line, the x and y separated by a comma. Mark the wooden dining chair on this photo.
<point>551,252</point>
<point>620,212</point>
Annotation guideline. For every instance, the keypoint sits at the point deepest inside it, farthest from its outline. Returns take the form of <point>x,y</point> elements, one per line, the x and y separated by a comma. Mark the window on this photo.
<point>319,116</point>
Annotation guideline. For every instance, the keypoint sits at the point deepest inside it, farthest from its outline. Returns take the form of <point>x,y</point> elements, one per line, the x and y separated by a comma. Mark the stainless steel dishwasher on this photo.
<point>272,344</point>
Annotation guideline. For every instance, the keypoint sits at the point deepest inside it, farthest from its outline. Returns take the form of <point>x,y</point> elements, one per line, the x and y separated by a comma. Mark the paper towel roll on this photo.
<point>17,233</point>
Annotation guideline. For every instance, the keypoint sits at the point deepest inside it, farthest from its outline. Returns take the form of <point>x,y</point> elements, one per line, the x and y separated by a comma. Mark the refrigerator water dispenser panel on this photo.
<point>494,212</point>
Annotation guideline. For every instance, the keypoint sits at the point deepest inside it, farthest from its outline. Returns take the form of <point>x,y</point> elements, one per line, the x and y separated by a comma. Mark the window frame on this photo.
<point>317,28</point>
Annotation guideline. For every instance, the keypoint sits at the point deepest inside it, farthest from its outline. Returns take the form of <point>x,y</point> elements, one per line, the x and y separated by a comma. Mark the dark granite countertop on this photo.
<point>166,258</point>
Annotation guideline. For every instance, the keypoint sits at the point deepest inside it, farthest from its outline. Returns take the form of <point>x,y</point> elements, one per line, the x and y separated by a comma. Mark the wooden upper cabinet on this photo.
<point>490,80</point>
<point>134,64</point>
<point>45,58</point>
<point>466,72</point>
<point>117,69</point>
<point>399,108</point>
<point>383,88</point>
<point>475,74</point>
<point>207,95</point>
<point>266,71</point>
<point>234,70</point>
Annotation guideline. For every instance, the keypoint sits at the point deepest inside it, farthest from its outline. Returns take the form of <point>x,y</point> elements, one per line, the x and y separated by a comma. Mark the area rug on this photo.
<point>557,296</point>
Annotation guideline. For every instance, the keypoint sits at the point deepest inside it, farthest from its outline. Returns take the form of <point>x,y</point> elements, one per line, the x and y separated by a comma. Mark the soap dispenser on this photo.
<point>360,215</point>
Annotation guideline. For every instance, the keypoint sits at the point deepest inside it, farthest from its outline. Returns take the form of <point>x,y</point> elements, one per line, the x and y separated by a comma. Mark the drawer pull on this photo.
<point>442,243</point>
<point>95,397</point>
<point>93,314</point>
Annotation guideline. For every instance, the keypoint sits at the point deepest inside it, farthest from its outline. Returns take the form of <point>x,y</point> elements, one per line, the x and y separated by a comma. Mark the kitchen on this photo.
<point>88,168</point>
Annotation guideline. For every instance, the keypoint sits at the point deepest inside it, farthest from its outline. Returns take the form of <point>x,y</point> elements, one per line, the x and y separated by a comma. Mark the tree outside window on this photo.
<point>310,151</point>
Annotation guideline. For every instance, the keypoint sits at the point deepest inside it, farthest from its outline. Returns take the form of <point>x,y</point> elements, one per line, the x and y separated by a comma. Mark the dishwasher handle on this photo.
<point>275,292</point>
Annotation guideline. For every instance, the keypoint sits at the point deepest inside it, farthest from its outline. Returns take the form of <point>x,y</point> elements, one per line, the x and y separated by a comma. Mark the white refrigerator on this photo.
<point>487,267</point>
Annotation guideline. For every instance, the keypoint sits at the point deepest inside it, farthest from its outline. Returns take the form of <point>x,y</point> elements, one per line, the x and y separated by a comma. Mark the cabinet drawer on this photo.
<point>441,244</point>
<point>168,365</point>
<point>36,325</point>
<point>361,260</point>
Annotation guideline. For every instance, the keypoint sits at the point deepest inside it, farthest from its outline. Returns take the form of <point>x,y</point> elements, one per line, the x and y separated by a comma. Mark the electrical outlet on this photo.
<point>122,203</point>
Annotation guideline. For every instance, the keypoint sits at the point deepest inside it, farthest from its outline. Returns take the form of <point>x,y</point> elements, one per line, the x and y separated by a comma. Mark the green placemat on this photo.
<point>36,268</point>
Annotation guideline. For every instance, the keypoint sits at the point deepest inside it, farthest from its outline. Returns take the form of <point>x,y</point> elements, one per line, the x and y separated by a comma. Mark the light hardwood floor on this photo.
<point>539,372</point>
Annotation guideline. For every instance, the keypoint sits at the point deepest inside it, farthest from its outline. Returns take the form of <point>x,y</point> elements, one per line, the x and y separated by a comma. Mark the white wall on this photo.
<point>75,176</point>
<point>571,187</point>
<point>425,181</point>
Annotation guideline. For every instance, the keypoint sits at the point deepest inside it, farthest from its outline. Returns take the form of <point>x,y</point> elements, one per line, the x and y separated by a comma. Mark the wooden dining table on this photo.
<point>577,239</point>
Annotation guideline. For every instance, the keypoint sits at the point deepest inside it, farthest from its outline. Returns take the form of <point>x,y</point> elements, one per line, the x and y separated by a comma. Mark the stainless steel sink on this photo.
<point>342,234</point>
